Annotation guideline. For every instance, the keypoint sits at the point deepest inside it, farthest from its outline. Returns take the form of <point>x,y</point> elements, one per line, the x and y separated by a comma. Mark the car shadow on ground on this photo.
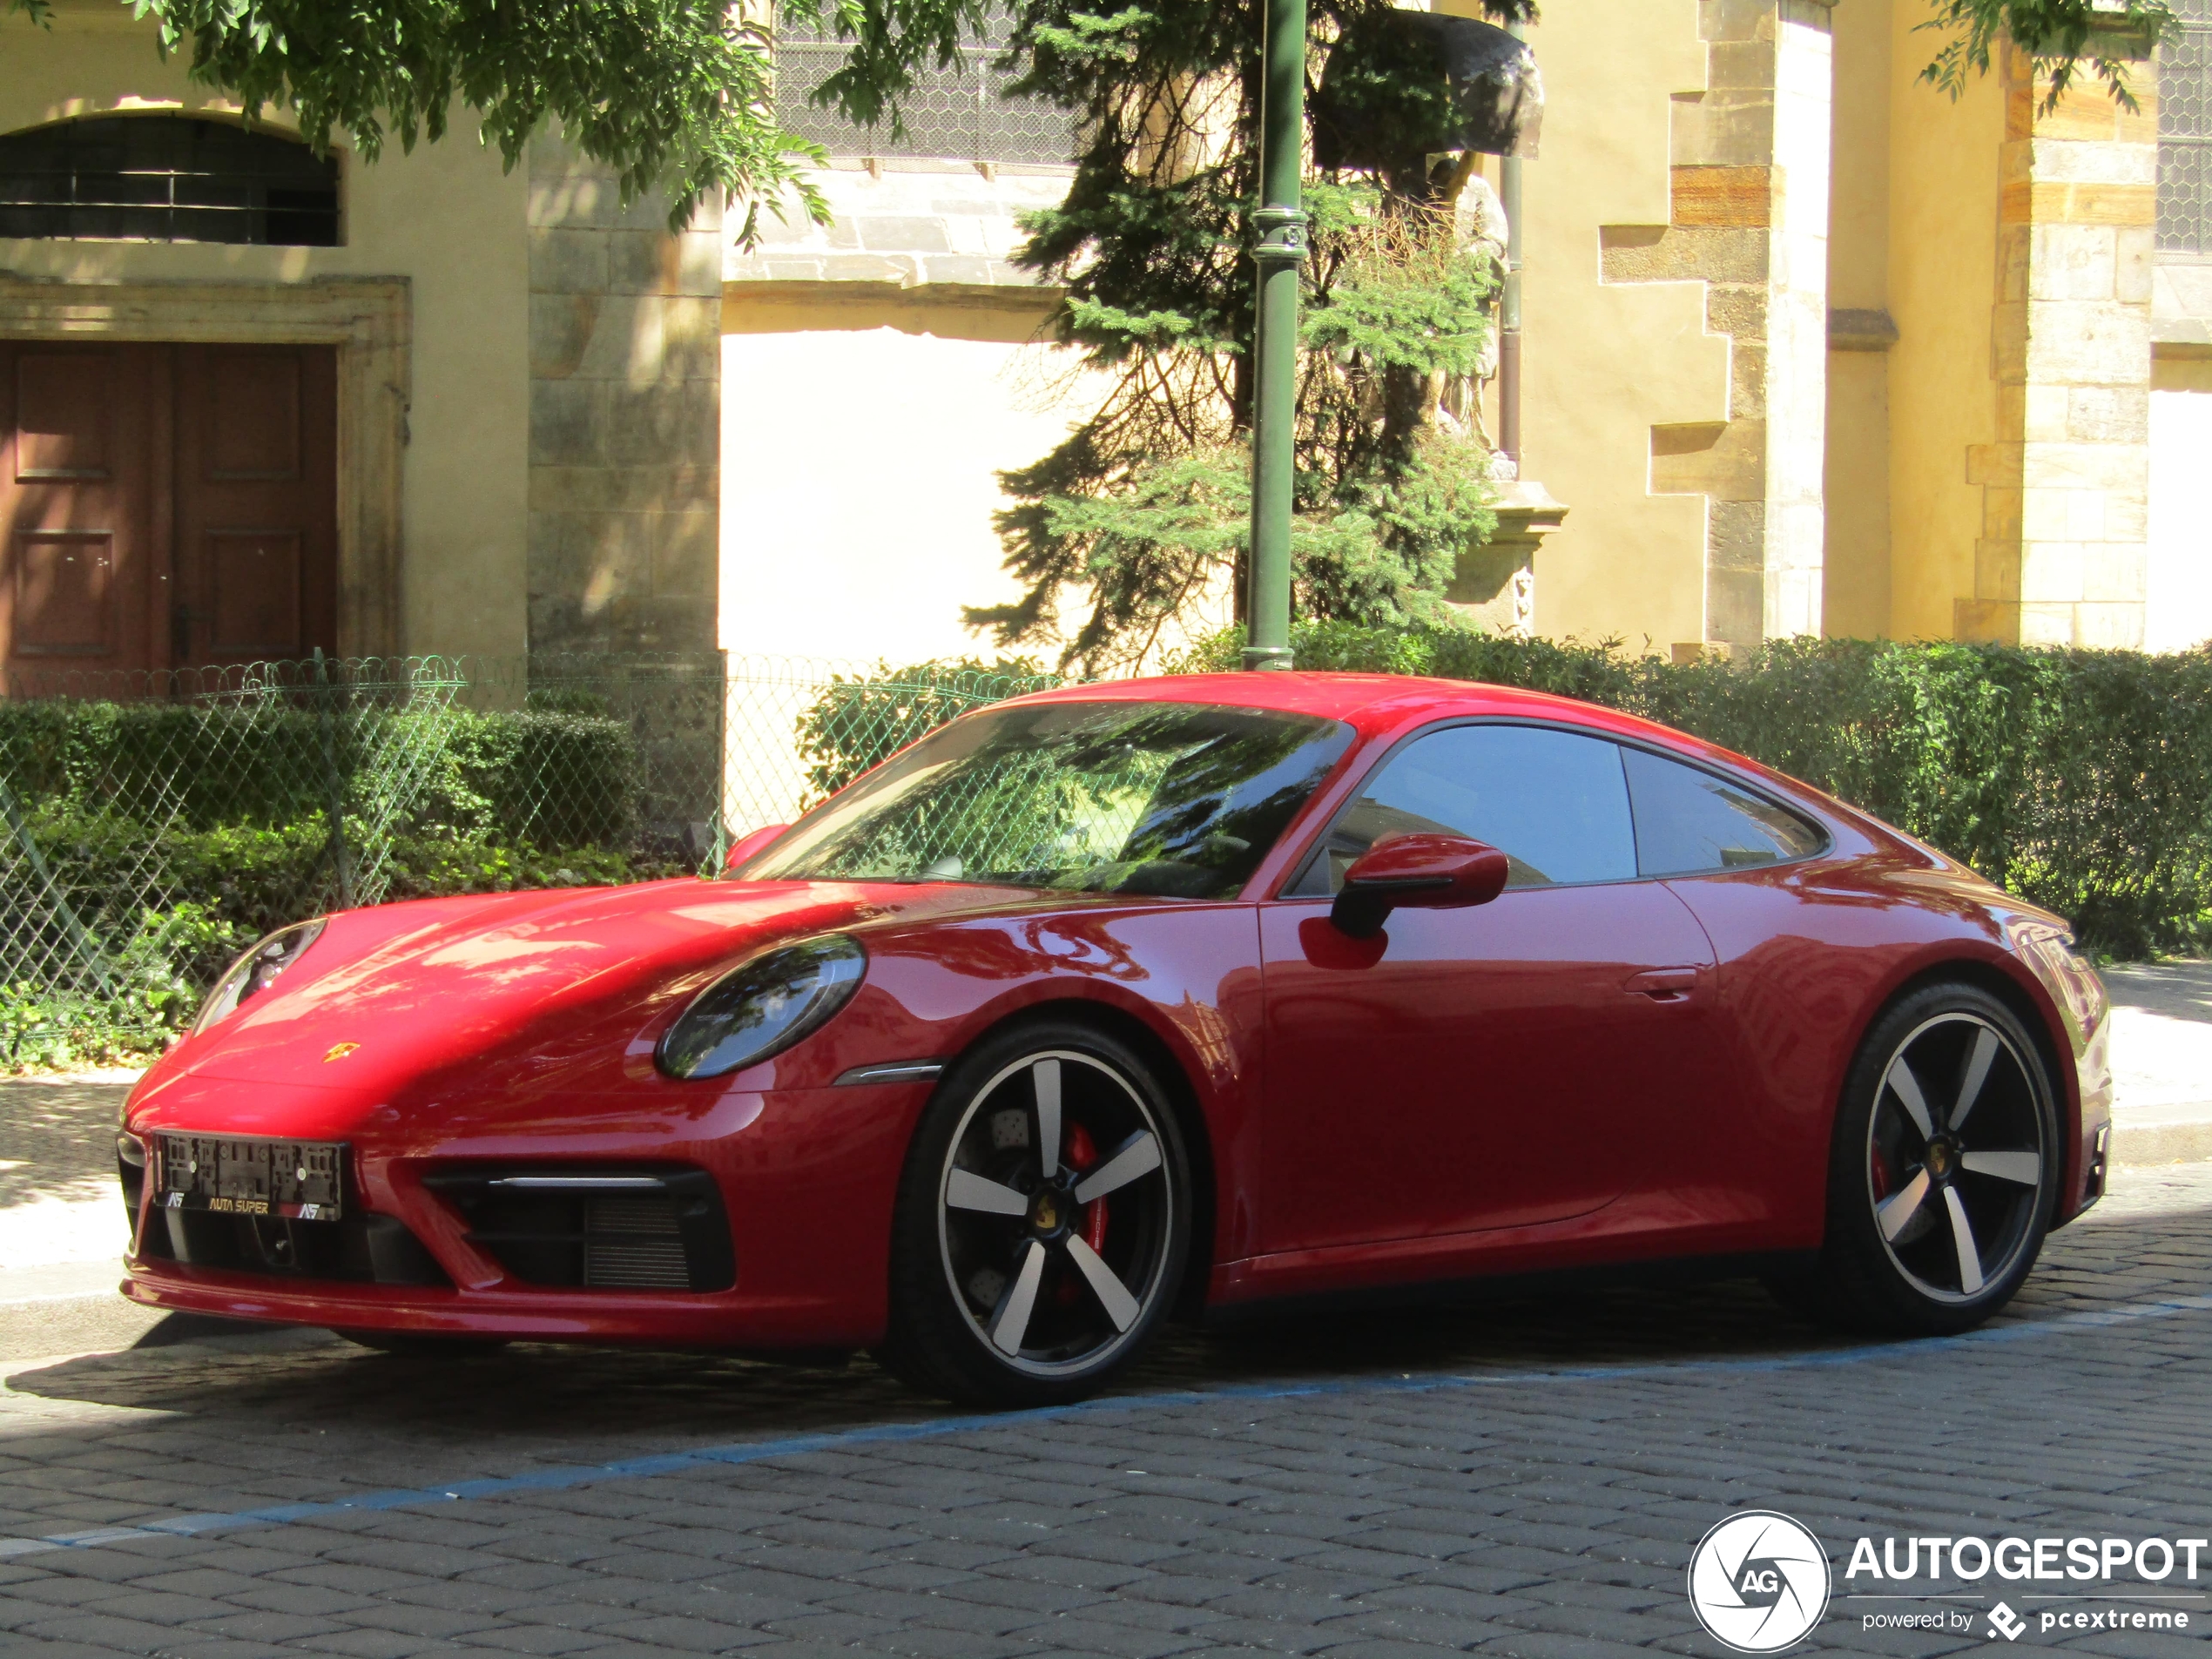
<point>534,1401</point>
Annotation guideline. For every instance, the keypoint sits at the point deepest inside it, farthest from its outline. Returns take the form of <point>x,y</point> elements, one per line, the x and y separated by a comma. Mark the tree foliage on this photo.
<point>2109,36</point>
<point>675,94</point>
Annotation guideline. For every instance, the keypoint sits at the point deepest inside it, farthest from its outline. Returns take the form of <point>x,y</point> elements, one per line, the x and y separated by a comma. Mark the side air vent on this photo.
<point>613,1229</point>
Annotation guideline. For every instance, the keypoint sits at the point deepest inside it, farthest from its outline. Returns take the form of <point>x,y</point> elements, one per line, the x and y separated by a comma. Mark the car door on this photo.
<point>1517,1063</point>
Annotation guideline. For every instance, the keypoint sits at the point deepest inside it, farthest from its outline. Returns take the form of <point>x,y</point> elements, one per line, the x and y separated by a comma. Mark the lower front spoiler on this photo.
<point>729,1320</point>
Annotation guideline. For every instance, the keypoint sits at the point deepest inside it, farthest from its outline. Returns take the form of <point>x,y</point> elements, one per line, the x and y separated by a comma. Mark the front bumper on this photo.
<point>805,1180</point>
<point>733,1319</point>
<point>2092,1149</point>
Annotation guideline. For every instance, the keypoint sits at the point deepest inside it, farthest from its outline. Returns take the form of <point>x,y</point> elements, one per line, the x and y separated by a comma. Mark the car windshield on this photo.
<point>1171,799</point>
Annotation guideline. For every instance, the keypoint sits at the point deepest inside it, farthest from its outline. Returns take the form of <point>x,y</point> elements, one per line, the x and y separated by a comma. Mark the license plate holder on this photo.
<point>298,1180</point>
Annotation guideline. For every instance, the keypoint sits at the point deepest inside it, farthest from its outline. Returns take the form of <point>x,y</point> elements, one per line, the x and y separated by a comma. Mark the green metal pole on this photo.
<point>1509,304</point>
<point>1281,249</point>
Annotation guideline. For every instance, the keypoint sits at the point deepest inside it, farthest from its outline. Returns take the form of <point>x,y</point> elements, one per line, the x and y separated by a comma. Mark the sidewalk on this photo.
<point>2161,1061</point>
<point>63,1228</point>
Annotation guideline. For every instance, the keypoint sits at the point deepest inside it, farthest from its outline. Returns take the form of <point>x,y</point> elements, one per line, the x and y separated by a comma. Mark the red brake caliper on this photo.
<point>1083,1153</point>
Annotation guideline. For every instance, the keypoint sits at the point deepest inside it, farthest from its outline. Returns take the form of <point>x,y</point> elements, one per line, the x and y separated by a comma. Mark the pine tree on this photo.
<point>1145,504</point>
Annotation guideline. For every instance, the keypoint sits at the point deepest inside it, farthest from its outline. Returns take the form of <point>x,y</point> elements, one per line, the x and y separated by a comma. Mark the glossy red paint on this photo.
<point>1564,1077</point>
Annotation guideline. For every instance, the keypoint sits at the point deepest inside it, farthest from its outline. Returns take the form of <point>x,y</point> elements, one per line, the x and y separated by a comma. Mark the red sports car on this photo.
<point>1182,994</point>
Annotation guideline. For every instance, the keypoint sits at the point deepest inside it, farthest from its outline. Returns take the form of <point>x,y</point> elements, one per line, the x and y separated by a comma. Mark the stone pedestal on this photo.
<point>2066,488</point>
<point>1495,585</point>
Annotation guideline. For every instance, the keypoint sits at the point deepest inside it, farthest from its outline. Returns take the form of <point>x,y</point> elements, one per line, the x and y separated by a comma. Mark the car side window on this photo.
<point>1690,822</point>
<point>1555,802</point>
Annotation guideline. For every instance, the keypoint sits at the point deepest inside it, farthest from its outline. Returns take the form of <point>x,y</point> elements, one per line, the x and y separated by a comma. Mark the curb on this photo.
<point>2185,1141</point>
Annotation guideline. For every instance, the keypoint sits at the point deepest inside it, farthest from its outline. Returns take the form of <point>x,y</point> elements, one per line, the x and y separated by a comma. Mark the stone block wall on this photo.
<point>943,225</point>
<point>2063,553</point>
<point>1749,218</point>
<point>625,415</point>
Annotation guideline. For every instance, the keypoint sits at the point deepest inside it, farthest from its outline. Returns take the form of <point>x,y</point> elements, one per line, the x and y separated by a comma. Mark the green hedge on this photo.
<point>546,777</point>
<point>173,833</point>
<point>2081,780</point>
<point>859,722</point>
<point>540,777</point>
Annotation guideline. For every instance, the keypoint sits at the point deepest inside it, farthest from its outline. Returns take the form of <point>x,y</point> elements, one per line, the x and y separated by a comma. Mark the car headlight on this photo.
<point>762,1007</point>
<point>254,973</point>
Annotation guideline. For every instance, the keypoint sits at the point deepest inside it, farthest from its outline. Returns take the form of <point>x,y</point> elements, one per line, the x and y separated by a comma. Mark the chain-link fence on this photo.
<point>153,825</point>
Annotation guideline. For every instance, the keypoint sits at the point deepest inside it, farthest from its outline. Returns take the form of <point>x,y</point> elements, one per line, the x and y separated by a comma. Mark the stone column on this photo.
<point>1750,219</point>
<point>2065,487</point>
<point>625,415</point>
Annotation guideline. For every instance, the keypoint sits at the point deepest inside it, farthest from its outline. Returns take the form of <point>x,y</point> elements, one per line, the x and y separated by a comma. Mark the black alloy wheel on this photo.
<point>1944,1171</point>
<point>1043,1221</point>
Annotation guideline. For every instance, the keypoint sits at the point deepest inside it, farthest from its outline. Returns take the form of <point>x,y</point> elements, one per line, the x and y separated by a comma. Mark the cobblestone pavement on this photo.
<point>1523,1478</point>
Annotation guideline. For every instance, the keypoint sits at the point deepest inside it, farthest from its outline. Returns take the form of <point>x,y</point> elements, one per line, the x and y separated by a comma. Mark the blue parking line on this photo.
<point>566,1477</point>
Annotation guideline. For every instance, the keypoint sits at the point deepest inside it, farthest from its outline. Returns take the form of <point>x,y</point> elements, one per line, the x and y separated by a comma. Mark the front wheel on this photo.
<point>1042,1224</point>
<point>1945,1169</point>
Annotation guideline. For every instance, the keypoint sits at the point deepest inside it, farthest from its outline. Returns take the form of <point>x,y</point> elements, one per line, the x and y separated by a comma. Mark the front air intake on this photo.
<point>613,1229</point>
<point>634,1244</point>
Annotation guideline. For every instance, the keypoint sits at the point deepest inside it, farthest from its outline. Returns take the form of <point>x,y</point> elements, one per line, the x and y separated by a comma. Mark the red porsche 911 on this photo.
<point>1126,1000</point>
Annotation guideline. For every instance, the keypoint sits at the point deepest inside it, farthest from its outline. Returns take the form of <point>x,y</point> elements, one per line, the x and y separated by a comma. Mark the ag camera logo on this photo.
<point>1758,1582</point>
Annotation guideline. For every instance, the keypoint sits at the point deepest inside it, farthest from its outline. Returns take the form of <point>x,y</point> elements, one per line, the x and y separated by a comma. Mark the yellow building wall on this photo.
<point>1605,362</point>
<point>446,218</point>
<point>2178,601</point>
<point>1856,603</point>
<point>1942,261</point>
<point>862,439</point>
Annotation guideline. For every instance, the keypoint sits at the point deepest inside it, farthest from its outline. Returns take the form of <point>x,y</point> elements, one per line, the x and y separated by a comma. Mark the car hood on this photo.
<point>394,1001</point>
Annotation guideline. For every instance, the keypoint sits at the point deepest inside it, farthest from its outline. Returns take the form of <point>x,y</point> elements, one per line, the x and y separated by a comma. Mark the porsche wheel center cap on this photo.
<point>1044,1216</point>
<point>1941,1156</point>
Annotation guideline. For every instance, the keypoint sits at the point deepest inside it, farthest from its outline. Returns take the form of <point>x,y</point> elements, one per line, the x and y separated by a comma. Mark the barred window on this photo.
<point>2185,134</point>
<point>165,178</point>
<point>951,115</point>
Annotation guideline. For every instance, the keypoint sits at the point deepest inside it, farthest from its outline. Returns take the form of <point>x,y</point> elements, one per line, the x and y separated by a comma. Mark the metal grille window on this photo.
<point>961,115</point>
<point>2185,135</point>
<point>165,178</point>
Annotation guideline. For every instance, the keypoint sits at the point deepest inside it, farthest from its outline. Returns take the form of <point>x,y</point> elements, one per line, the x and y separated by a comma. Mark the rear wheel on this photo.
<point>1043,1221</point>
<point>1945,1169</point>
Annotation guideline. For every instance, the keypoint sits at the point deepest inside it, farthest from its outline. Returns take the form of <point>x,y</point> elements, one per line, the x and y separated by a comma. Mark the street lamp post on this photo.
<point>1280,221</point>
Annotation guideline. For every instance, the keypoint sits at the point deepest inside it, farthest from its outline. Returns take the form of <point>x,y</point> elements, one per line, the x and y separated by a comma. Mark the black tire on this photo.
<point>409,1345</point>
<point>1943,1172</point>
<point>970,1276</point>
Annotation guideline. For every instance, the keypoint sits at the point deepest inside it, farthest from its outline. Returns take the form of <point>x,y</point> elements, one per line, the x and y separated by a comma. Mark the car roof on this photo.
<point>1370,702</point>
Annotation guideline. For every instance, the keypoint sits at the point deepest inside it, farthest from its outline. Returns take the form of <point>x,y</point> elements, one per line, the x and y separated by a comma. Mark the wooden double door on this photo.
<point>165,506</point>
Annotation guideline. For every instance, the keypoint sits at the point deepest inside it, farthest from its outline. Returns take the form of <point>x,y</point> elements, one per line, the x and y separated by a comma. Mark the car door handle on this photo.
<point>1664,984</point>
